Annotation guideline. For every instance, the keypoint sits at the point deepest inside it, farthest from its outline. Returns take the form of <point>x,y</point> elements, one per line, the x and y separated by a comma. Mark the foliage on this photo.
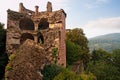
<point>69,75</point>
<point>3,59</point>
<point>3,78</point>
<point>8,67</point>
<point>78,38</point>
<point>104,71</point>
<point>73,51</point>
<point>50,71</point>
<point>2,38</point>
<point>101,55</point>
<point>11,57</point>
<point>3,55</point>
<point>54,72</point>
<point>3,62</point>
<point>66,75</point>
<point>54,54</point>
<point>1,26</point>
<point>88,76</point>
<point>40,41</point>
<point>101,65</point>
<point>116,58</point>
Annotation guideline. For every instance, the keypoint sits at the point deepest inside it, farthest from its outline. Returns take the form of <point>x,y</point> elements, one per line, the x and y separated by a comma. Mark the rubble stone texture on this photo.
<point>27,63</point>
<point>46,29</point>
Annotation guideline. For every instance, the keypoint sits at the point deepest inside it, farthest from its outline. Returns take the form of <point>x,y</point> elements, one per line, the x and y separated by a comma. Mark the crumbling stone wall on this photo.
<point>27,62</point>
<point>46,28</point>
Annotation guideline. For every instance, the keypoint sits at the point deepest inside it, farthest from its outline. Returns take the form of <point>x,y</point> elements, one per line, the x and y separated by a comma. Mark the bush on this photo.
<point>50,71</point>
<point>70,75</point>
<point>89,76</point>
<point>66,75</point>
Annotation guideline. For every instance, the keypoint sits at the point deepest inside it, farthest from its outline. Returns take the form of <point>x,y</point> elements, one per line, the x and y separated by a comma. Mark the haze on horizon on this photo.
<point>95,17</point>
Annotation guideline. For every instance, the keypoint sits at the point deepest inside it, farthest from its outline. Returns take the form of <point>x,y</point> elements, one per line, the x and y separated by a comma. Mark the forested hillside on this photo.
<point>107,42</point>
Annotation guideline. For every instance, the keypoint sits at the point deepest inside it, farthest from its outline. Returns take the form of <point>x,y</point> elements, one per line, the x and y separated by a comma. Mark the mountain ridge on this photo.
<point>107,42</point>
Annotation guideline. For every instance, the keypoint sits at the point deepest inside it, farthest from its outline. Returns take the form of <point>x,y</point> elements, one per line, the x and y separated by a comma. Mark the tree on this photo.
<point>69,75</point>
<point>99,55</point>
<point>104,71</point>
<point>101,65</point>
<point>50,71</point>
<point>78,38</point>
<point>74,52</point>
<point>2,38</point>
<point>66,75</point>
<point>3,55</point>
<point>1,26</point>
<point>116,58</point>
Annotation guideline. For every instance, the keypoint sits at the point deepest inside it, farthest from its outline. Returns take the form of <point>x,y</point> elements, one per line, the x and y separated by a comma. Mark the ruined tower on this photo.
<point>46,28</point>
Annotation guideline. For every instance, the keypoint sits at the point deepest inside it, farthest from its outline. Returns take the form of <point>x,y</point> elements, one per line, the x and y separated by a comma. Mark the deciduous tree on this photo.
<point>77,36</point>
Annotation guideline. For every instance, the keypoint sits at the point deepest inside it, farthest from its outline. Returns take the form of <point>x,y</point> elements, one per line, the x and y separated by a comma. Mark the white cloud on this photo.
<point>113,23</point>
<point>102,26</point>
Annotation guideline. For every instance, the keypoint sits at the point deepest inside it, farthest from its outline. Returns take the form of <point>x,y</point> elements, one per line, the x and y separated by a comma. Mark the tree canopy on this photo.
<point>77,46</point>
<point>104,65</point>
<point>74,52</point>
<point>78,37</point>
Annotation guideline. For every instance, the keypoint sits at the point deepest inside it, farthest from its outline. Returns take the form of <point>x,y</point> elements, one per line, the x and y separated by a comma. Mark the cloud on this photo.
<point>102,26</point>
<point>112,23</point>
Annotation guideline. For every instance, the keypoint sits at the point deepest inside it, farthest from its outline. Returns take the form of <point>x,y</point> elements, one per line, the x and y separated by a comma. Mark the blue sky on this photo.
<point>95,17</point>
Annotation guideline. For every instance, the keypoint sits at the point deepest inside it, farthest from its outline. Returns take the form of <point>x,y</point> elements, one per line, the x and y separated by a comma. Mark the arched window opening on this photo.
<point>43,24</point>
<point>26,36</point>
<point>26,24</point>
<point>40,38</point>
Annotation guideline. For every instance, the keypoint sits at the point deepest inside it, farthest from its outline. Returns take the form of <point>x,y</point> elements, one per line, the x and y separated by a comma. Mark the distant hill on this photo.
<point>107,42</point>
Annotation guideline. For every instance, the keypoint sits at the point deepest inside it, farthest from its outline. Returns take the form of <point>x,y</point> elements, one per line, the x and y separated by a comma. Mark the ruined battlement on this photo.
<point>46,28</point>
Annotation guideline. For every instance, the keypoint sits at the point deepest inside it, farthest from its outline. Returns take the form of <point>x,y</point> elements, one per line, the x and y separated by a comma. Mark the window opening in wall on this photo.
<point>40,38</point>
<point>43,24</point>
<point>26,36</point>
<point>26,24</point>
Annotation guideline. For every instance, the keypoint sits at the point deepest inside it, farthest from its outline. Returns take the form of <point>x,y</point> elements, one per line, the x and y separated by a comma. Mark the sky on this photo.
<point>95,17</point>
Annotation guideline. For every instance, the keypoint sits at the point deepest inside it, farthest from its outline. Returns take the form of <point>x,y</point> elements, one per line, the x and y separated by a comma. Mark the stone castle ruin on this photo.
<point>34,39</point>
<point>46,28</point>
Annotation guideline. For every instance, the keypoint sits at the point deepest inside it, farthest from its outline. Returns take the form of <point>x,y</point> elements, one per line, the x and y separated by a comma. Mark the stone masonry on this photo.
<point>46,28</point>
